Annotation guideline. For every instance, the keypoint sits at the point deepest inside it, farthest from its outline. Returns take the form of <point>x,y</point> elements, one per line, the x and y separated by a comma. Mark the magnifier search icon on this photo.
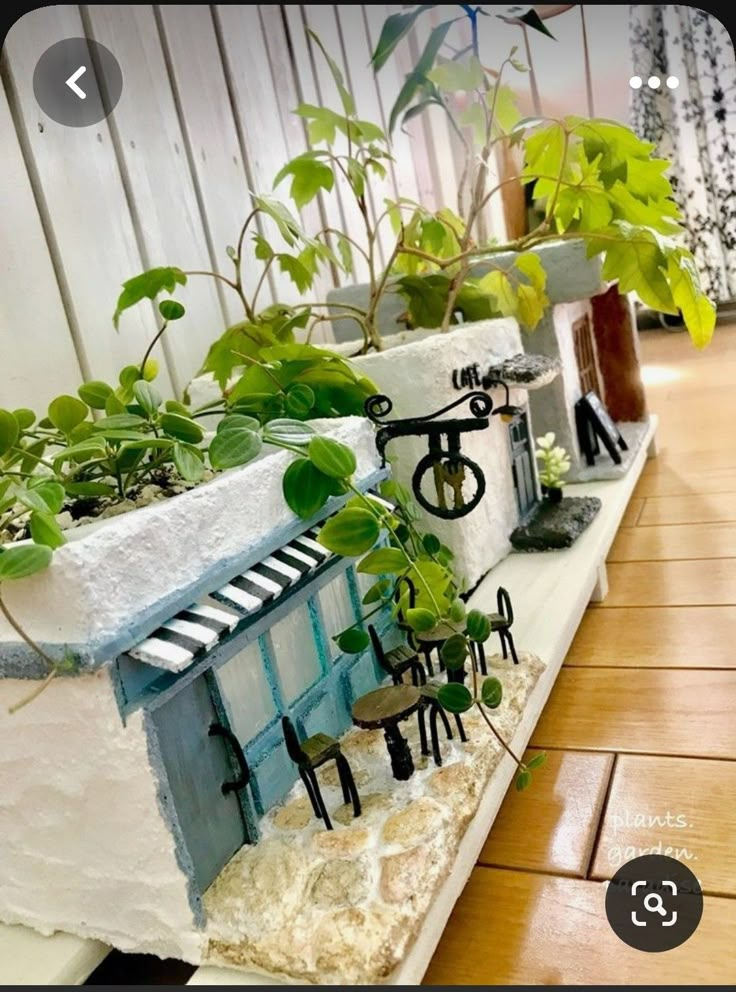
<point>653,902</point>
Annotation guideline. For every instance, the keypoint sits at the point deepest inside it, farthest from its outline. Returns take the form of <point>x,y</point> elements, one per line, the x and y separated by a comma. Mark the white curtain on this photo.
<point>693,125</point>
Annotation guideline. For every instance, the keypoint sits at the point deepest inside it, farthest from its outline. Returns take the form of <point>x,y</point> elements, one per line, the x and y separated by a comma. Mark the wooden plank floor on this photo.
<point>640,724</point>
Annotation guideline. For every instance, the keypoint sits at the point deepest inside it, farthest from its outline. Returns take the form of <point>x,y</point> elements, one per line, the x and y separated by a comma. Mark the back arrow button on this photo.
<point>71,82</point>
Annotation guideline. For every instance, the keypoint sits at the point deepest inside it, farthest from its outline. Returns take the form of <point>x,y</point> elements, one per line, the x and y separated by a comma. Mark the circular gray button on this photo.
<point>77,82</point>
<point>654,903</point>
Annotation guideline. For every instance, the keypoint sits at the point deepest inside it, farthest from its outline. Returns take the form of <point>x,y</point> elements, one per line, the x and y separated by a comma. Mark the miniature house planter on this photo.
<point>422,371</point>
<point>214,607</point>
<point>590,329</point>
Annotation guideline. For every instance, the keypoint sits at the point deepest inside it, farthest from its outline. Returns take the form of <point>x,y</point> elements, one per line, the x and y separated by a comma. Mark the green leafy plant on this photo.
<point>411,559</point>
<point>596,179</point>
<point>554,462</point>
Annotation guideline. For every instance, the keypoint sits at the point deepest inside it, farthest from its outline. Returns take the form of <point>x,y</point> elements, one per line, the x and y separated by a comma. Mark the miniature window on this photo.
<point>295,653</point>
<point>246,693</point>
<point>338,613</point>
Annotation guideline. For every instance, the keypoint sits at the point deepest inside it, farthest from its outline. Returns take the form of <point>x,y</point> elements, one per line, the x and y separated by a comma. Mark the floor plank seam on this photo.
<point>601,818</point>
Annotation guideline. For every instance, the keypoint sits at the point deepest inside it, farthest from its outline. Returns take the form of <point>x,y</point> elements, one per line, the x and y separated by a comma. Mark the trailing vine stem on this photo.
<point>53,665</point>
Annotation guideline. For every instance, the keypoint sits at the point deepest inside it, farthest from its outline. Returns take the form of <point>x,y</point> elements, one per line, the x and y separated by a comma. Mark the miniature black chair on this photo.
<point>429,692</point>
<point>428,641</point>
<point>501,623</point>
<point>308,755</point>
<point>398,660</point>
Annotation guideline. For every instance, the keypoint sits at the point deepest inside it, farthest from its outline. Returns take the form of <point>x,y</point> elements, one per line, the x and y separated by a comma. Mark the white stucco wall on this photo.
<point>84,847</point>
<point>415,371</point>
<point>100,583</point>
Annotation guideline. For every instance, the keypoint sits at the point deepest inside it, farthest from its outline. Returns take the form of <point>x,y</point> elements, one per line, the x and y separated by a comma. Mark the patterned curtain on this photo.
<point>693,125</point>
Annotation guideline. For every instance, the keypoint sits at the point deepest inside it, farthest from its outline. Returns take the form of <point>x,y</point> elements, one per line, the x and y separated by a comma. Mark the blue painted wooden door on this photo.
<point>522,464</point>
<point>197,765</point>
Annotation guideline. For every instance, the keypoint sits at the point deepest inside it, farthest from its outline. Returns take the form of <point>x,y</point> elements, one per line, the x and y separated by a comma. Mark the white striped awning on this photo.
<point>196,630</point>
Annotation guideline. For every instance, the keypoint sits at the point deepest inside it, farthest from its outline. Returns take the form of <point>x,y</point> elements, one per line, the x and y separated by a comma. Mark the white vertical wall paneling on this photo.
<point>245,58</point>
<point>216,159</point>
<point>357,49</point>
<point>322,21</point>
<point>31,311</point>
<point>93,240</point>
<point>388,84</point>
<point>295,135</point>
<point>153,155</point>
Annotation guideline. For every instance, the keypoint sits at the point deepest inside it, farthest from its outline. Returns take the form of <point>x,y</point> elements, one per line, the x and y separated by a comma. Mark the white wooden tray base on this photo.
<point>550,593</point>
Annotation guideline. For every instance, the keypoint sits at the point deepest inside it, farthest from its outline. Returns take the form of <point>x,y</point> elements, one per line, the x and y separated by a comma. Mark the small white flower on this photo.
<point>547,441</point>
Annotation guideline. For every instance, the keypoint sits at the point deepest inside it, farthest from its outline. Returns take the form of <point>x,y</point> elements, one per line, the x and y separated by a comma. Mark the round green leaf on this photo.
<point>188,461</point>
<point>491,692</point>
<point>305,488</point>
<point>457,610</point>
<point>351,532</point>
<point>383,561</point>
<point>147,396</point>
<point>171,309</point>
<point>379,590</point>
<point>431,544</point>
<point>182,428</point>
<point>478,626</point>
<point>174,406</point>
<point>232,448</point>
<point>523,780</point>
<point>129,376</point>
<point>114,405</point>
<point>331,457</point>
<point>26,418</point>
<point>300,400</point>
<point>95,394</point>
<point>238,421</point>
<point>455,698</point>
<point>20,562</point>
<point>287,431</point>
<point>454,652</point>
<point>420,619</point>
<point>52,493</point>
<point>9,430</point>
<point>150,370</point>
<point>120,422</point>
<point>65,412</point>
<point>32,500</point>
<point>82,431</point>
<point>45,530</point>
<point>352,641</point>
<point>537,761</point>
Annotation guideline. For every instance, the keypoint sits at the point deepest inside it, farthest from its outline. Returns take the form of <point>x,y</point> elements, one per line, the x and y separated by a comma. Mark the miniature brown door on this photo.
<point>582,335</point>
<point>197,765</point>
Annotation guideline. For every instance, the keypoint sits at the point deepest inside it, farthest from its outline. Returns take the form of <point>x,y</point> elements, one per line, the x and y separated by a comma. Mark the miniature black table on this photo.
<point>383,709</point>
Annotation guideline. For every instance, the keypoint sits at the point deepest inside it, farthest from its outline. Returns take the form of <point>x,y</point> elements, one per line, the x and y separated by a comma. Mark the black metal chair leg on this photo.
<point>461,729</point>
<point>482,659</point>
<point>350,782</point>
<point>445,721</point>
<point>310,792</point>
<point>502,638</point>
<point>421,718</point>
<point>340,765</point>
<point>512,646</point>
<point>418,676</point>
<point>318,795</point>
<point>428,661</point>
<point>436,753</point>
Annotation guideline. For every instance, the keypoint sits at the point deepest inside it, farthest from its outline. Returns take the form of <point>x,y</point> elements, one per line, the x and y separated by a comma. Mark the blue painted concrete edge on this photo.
<point>19,661</point>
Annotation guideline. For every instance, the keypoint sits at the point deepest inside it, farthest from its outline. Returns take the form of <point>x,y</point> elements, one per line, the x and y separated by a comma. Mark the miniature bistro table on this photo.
<point>383,709</point>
